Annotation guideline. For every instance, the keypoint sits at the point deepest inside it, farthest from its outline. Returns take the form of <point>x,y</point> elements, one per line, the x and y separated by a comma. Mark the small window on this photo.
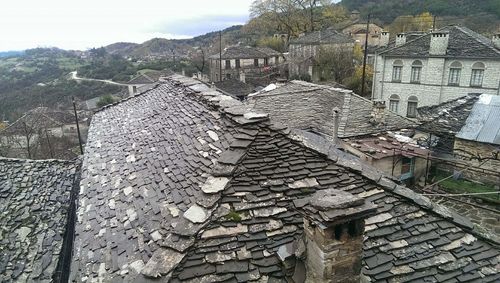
<point>276,60</point>
<point>416,70</point>
<point>237,63</point>
<point>266,61</point>
<point>455,70</point>
<point>256,62</point>
<point>412,107</point>
<point>394,103</point>
<point>228,64</point>
<point>396,70</point>
<point>477,74</point>
<point>228,76</point>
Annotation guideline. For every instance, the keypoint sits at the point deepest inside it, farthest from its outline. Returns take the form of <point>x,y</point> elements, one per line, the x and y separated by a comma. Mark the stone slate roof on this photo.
<point>448,117</point>
<point>189,185</point>
<point>34,204</point>
<point>235,88</point>
<point>141,79</point>
<point>326,36</point>
<point>305,105</point>
<point>246,52</point>
<point>463,43</point>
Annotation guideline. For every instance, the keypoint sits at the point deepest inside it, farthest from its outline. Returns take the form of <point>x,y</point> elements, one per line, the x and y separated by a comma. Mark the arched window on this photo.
<point>477,74</point>
<point>397,68</point>
<point>394,103</point>
<point>455,70</point>
<point>411,111</point>
<point>416,71</point>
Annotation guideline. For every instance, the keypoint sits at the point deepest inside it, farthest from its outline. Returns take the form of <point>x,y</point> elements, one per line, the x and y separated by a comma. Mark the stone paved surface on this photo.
<point>34,202</point>
<point>183,184</point>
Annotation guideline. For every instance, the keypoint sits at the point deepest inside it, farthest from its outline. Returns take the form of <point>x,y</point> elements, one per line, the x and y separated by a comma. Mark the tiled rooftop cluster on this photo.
<point>246,52</point>
<point>34,203</point>
<point>188,185</point>
<point>324,36</point>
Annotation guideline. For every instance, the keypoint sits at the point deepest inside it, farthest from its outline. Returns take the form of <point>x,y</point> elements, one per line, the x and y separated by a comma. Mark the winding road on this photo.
<point>75,77</point>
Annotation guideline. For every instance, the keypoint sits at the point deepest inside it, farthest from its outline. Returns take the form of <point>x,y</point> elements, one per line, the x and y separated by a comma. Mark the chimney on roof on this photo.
<point>132,90</point>
<point>384,38</point>
<point>400,39</point>
<point>336,120</point>
<point>378,112</point>
<point>354,15</point>
<point>242,77</point>
<point>496,40</point>
<point>439,43</point>
<point>334,224</point>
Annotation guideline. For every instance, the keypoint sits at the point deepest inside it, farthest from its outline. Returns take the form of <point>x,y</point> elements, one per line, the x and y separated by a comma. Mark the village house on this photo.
<point>39,126</point>
<point>435,67</point>
<point>239,62</point>
<point>462,134</point>
<point>360,126</point>
<point>305,50</point>
<point>478,141</point>
<point>356,28</point>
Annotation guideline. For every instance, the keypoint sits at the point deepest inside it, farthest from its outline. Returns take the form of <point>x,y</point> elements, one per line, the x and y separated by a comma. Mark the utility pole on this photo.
<point>48,143</point>
<point>77,127</point>
<point>433,23</point>
<point>364,56</point>
<point>220,56</point>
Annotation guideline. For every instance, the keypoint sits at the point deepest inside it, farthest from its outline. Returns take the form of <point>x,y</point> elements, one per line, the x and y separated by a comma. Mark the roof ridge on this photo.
<point>10,159</point>
<point>126,99</point>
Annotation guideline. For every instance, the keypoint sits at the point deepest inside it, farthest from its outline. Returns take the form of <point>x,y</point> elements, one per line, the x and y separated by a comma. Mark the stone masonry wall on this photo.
<point>466,149</point>
<point>433,88</point>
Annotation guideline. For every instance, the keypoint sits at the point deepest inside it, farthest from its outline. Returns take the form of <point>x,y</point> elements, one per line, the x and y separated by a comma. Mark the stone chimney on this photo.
<point>400,39</point>
<point>242,77</point>
<point>334,224</point>
<point>439,43</point>
<point>384,38</point>
<point>496,40</point>
<point>132,90</point>
<point>354,15</point>
<point>378,112</point>
<point>336,121</point>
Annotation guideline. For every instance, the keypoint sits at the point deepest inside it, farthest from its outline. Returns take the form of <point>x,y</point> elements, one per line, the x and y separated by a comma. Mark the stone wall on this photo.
<point>467,150</point>
<point>433,88</point>
<point>246,65</point>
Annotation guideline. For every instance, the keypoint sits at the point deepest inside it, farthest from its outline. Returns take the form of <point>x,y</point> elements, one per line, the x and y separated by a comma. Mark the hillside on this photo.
<point>161,47</point>
<point>483,15</point>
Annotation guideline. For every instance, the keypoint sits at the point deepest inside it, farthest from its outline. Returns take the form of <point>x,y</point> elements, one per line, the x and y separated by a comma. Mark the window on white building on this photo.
<point>228,64</point>
<point>394,103</point>
<point>416,71</point>
<point>237,63</point>
<point>256,62</point>
<point>455,70</point>
<point>411,111</point>
<point>397,68</point>
<point>477,74</point>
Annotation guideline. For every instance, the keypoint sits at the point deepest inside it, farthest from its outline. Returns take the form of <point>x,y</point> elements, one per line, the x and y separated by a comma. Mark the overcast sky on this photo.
<point>70,24</point>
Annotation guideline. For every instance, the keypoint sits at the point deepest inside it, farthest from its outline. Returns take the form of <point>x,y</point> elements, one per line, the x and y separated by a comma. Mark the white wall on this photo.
<point>433,88</point>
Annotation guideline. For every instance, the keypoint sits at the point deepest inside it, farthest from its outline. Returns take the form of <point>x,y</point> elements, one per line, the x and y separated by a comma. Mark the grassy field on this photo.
<point>465,186</point>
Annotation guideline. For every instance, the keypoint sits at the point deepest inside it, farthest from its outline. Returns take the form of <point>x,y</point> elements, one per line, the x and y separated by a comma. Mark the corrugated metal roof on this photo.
<point>483,123</point>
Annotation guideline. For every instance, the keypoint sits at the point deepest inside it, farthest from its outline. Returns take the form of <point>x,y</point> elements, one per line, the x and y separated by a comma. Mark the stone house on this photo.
<point>356,29</point>
<point>359,126</point>
<point>478,141</point>
<point>191,185</point>
<point>305,50</point>
<point>38,125</point>
<point>241,61</point>
<point>435,67</point>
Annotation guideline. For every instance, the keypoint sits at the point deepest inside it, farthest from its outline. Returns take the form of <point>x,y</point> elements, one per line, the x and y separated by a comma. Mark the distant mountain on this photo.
<point>10,53</point>
<point>177,47</point>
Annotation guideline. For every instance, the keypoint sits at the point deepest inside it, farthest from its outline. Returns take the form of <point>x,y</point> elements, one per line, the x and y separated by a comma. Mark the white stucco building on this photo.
<point>435,67</point>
